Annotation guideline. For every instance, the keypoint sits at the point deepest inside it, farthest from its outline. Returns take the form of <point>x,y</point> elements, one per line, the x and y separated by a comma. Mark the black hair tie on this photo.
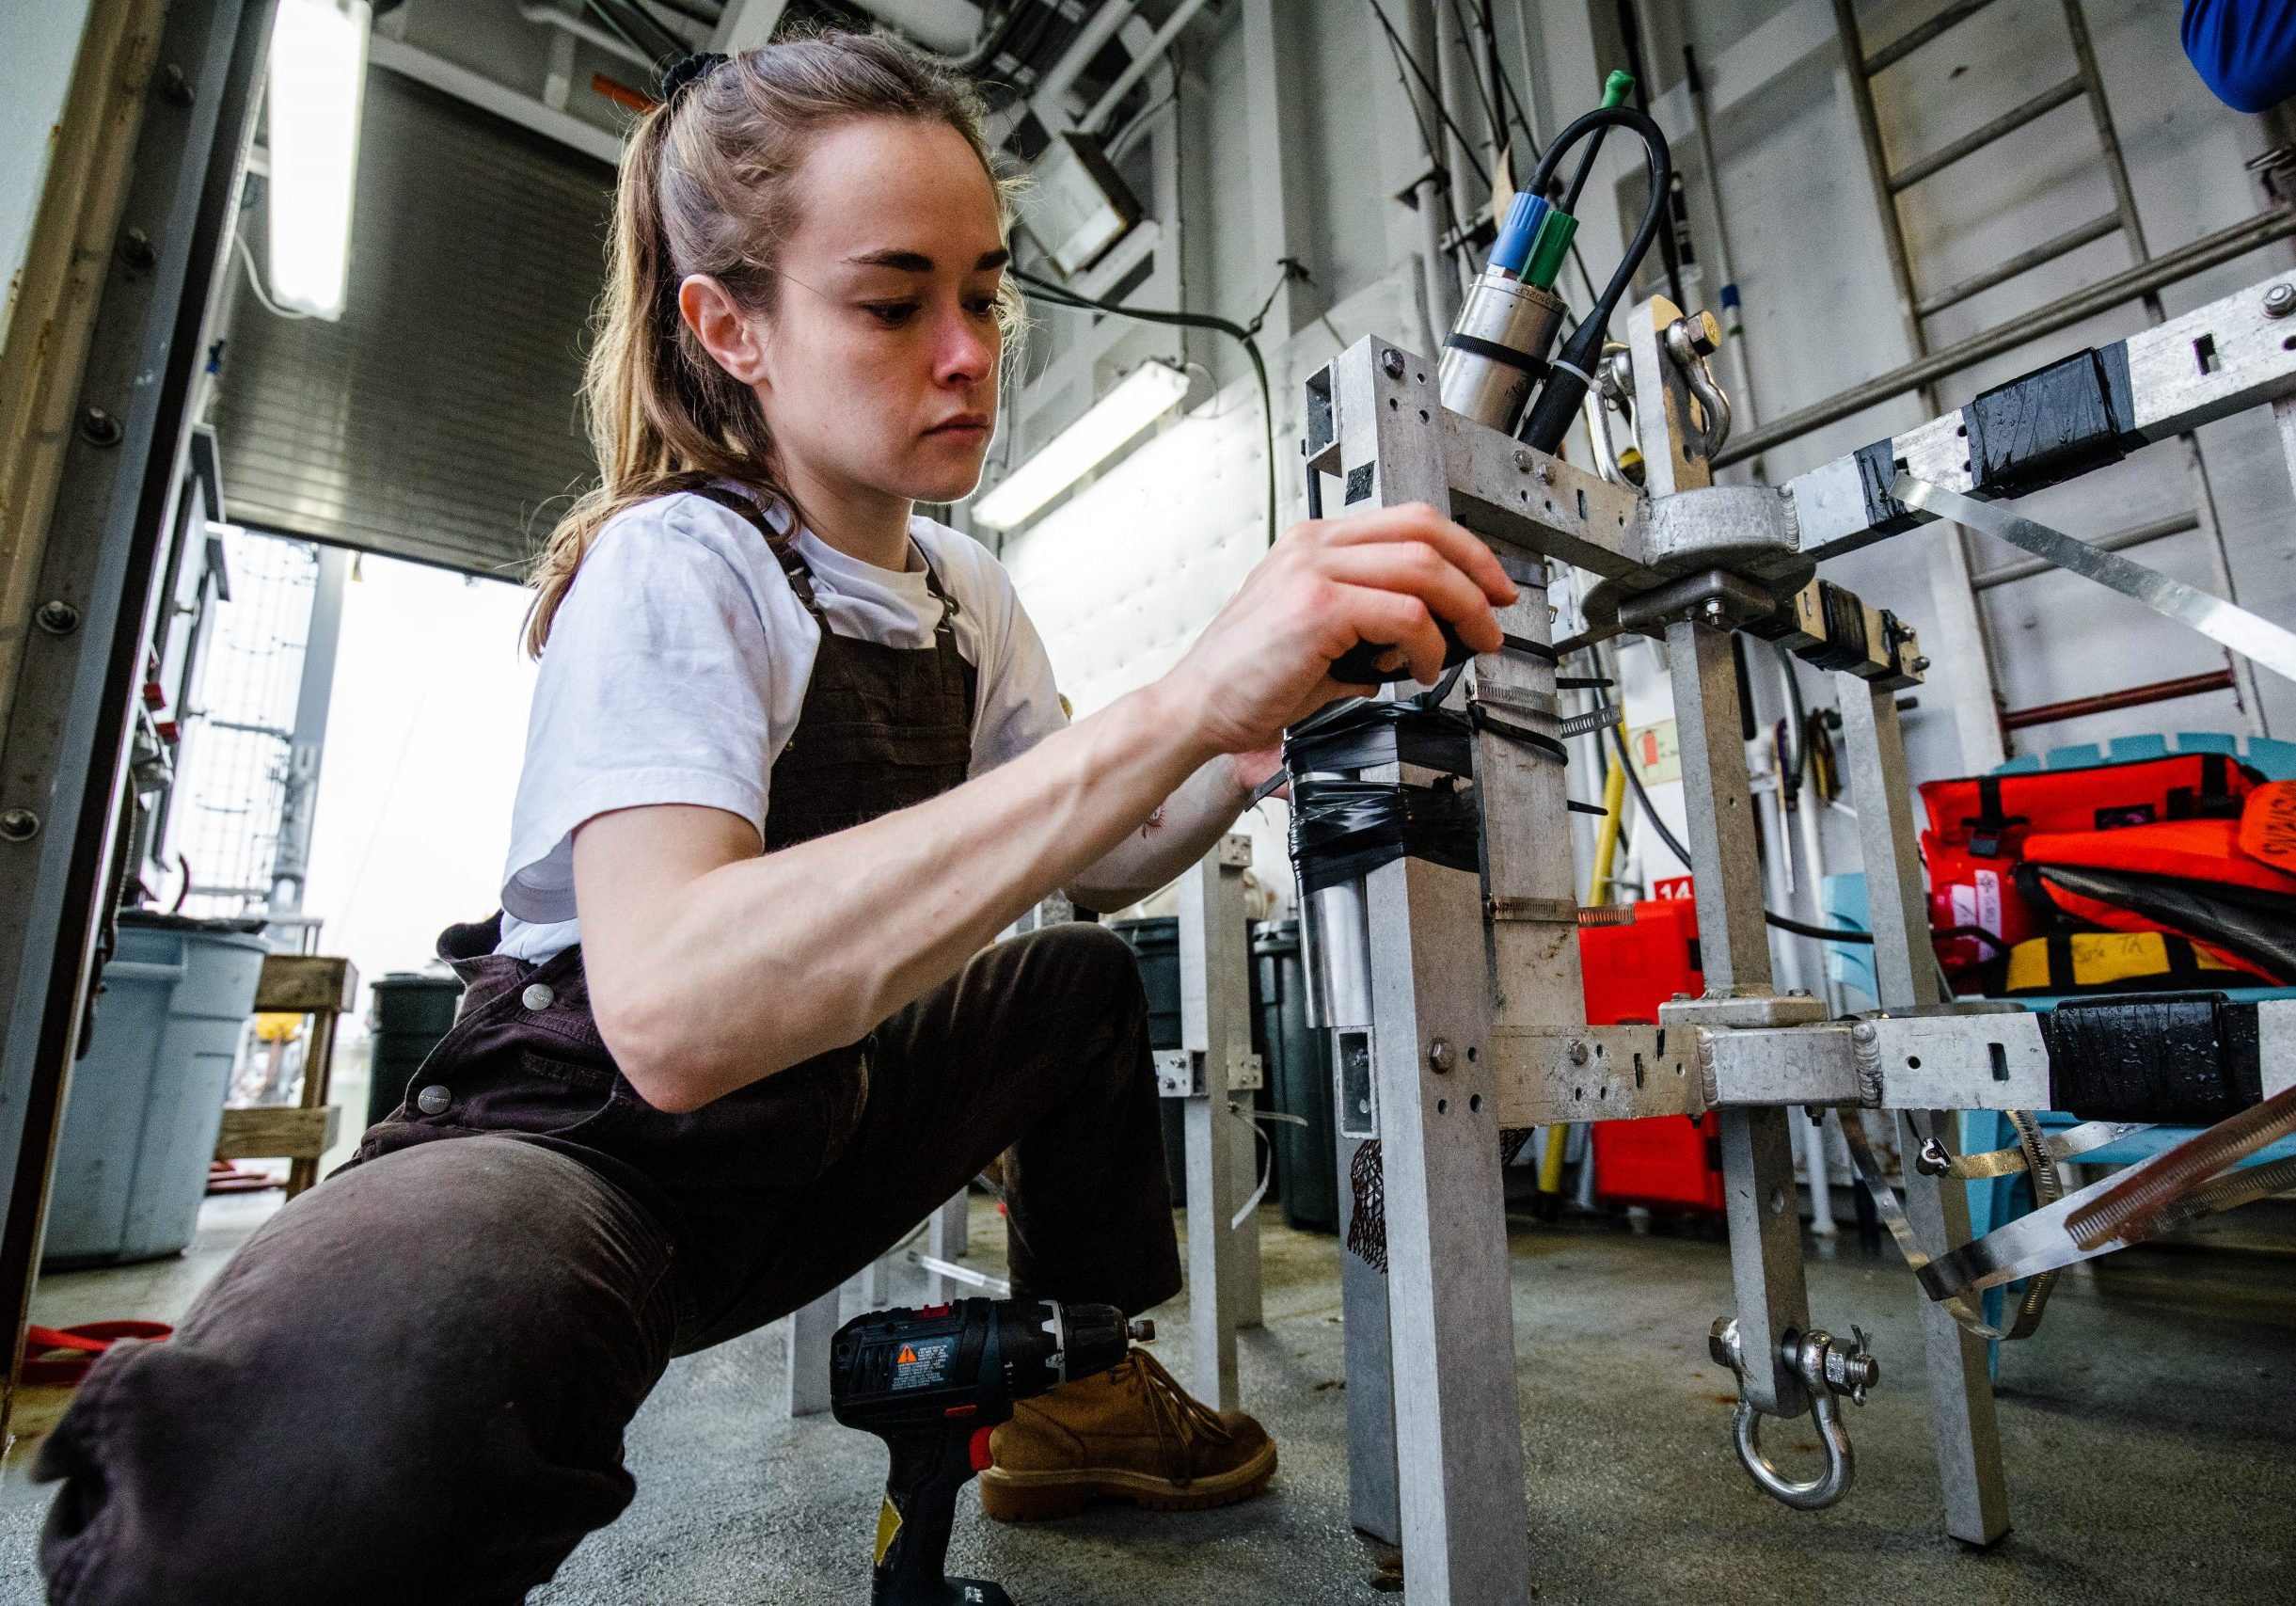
<point>683,72</point>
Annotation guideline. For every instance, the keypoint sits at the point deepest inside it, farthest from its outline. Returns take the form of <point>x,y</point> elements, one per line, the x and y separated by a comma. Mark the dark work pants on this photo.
<point>411,1384</point>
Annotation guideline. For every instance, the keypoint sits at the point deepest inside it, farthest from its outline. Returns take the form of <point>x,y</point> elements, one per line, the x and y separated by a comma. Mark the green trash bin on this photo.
<point>1155,944</point>
<point>411,1012</point>
<point>1295,1062</point>
<point>145,1104</point>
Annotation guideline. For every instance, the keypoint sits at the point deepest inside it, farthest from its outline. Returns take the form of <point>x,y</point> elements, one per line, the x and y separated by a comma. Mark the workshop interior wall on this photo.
<point>1821,314</point>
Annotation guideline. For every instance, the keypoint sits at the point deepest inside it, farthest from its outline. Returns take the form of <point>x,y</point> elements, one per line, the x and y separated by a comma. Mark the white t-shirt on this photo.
<point>677,669</point>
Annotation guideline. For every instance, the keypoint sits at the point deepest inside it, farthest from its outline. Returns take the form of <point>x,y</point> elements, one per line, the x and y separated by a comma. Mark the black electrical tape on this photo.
<point>2051,424</point>
<point>2189,1059</point>
<point>1359,734</point>
<point>1342,831</point>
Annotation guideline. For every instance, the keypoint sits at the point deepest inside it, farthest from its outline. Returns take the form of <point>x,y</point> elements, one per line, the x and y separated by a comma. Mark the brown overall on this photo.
<point>411,1384</point>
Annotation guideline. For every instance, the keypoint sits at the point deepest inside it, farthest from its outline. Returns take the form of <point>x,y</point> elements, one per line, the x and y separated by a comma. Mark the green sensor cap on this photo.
<point>1617,87</point>
<point>1547,251</point>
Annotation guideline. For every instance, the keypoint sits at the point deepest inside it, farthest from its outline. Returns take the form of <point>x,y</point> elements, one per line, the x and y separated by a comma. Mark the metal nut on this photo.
<point>174,86</point>
<point>1521,461</point>
<point>1705,334</point>
<point>99,428</point>
<point>136,246</point>
<point>58,618</point>
<point>1578,1053</point>
<point>1391,364</point>
<point>1546,473</point>
<point>2280,300</point>
<point>1439,1055</point>
<point>19,825</point>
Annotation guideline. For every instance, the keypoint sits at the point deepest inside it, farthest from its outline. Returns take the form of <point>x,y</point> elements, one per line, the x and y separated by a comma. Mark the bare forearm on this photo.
<point>760,963</point>
<point>1191,821</point>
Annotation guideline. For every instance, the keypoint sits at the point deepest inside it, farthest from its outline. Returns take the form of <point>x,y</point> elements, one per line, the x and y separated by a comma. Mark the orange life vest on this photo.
<point>1988,815</point>
<point>2190,849</point>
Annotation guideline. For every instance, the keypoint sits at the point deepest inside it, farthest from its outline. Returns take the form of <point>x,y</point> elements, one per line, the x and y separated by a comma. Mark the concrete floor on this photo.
<point>2149,1431</point>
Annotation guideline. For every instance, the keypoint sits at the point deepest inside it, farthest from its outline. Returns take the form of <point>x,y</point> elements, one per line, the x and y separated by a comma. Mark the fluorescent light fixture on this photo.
<point>318,75</point>
<point>1142,397</point>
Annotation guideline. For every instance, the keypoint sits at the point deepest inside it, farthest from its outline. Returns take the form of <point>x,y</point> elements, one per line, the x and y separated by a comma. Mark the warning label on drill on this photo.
<point>924,1362</point>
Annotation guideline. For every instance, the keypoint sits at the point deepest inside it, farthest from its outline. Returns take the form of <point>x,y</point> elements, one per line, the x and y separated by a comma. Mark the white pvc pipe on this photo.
<point>1140,64</point>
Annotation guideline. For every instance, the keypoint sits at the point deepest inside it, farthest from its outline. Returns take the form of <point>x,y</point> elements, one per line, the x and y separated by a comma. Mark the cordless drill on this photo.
<point>931,1384</point>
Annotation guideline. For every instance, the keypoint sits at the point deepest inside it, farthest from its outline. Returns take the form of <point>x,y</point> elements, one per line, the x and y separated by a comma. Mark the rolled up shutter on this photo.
<point>440,419</point>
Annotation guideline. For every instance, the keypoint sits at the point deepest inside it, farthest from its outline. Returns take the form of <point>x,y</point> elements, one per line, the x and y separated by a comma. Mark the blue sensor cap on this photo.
<point>1513,249</point>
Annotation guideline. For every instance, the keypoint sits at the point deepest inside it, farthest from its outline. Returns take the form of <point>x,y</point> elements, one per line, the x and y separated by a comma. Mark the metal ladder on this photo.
<point>1889,184</point>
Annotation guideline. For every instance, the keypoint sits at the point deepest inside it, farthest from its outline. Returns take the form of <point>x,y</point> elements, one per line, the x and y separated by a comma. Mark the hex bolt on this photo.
<point>1521,461</point>
<point>58,618</point>
<point>1713,609</point>
<point>1391,362</point>
<point>19,825</point>
<point>1439,1057</point>
<point>1578,1053</point>
<point>136,246</point>
<point>98,428</point>
<point>1546,473</point>
<point>174,86</point>
<point>2280,300</point>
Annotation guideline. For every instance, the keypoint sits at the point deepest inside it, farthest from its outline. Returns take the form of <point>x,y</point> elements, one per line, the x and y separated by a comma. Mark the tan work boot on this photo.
<point>1129,1433</point>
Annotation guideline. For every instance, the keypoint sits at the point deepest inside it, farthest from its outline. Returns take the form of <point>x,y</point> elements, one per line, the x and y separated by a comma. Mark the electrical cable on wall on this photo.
<point>1673,845</point>
<point>1243,334</point>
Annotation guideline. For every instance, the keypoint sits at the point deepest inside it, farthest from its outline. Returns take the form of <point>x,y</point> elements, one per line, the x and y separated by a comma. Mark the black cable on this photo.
<point>1573,366</point>
<point>1061,296</point>
<point>1466,146</point>
<point>1673,845</point>
<point>1466,43</point>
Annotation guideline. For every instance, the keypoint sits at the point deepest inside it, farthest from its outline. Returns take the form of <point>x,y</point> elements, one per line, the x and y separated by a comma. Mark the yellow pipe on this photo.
<point>1550,1164</point>
<point>1607,834</point>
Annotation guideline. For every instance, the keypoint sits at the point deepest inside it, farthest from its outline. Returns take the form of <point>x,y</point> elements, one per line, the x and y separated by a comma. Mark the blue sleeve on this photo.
<point>2243,49</point>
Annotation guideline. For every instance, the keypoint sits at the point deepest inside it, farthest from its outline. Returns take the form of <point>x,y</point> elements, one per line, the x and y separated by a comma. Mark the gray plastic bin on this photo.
<point>145,1104</point>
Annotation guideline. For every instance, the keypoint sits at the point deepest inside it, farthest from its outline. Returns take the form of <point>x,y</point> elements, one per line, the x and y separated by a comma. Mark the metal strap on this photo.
<point>2196,1178</point>
<point>2224,623</point>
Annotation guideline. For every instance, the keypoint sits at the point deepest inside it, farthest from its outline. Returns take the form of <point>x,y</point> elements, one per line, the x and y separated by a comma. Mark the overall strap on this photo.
<point>785,551</point>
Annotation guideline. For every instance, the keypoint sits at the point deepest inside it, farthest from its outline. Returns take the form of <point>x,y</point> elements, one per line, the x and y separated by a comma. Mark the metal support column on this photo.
<point>1451,1312</point>
<point>1761,1204</point>
<point>806,1379</point>
<point>1216,1038</point>
<point>307,745</point>
<point>1905,972</point>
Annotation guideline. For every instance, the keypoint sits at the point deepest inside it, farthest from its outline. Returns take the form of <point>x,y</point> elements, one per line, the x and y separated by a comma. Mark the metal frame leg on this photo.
<point>1765,1250</point>
<point>1450,1314</point>
<point>1904,970</point>
<point>948,1236</point>
<point>806,1379</point>
<point>1219,1145</point>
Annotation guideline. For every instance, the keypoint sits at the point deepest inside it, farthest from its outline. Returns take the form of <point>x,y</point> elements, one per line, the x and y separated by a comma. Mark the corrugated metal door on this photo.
<point>440,419</point>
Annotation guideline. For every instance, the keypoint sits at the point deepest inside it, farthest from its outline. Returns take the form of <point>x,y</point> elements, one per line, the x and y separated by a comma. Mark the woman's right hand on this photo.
<point>1385,574</point>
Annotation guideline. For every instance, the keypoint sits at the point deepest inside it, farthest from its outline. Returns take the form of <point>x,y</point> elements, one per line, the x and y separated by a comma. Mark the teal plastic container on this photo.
<point>145,1104</point>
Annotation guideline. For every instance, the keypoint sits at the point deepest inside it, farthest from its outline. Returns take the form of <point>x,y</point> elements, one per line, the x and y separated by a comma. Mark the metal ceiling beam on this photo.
<point>409,61</point>
<point>747,24</point>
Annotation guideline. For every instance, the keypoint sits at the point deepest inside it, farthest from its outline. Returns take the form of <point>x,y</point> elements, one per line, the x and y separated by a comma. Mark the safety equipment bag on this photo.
<point>2116,962</point>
